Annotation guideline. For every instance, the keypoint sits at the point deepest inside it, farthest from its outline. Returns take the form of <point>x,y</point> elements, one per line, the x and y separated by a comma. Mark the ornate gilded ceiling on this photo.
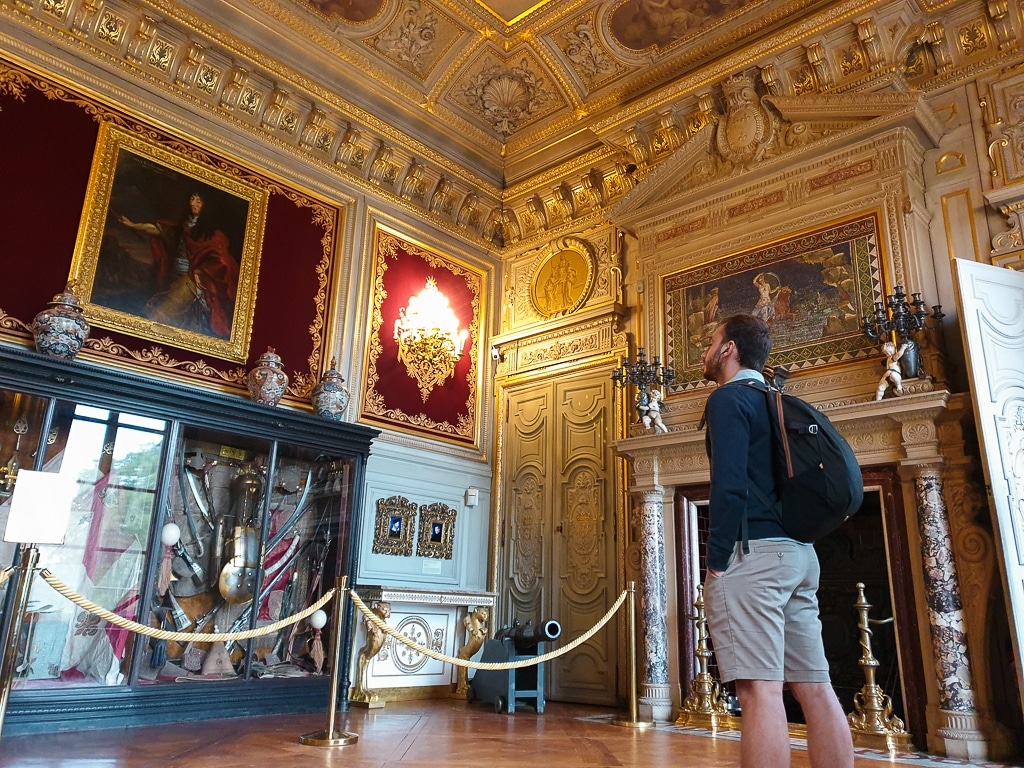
<point>513,79</point>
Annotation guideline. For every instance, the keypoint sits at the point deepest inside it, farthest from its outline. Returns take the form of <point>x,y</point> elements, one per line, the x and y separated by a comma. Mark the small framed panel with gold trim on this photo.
<point>437,531</point>
<point>393,528</point>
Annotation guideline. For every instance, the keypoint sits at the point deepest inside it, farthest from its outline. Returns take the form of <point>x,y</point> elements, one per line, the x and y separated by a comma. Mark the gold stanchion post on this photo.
<point>29,561</point>
<point>634,708</point>
<point>331,737</point>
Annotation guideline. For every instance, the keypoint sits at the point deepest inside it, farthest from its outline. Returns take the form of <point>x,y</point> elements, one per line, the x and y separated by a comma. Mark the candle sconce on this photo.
<point>644,375</point>
<point>898,316</point>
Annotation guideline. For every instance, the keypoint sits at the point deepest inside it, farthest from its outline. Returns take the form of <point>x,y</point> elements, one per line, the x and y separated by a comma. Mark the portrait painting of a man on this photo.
<point>169,251</point>
<point>192,271</point>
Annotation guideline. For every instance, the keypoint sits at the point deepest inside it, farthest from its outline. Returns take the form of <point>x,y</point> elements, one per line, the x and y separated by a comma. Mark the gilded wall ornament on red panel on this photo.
<point>422,372</point>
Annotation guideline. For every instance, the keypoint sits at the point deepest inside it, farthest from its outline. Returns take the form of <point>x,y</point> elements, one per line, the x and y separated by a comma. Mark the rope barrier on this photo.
<point>217,637</point>
<point>178,637</point>
<point>529,662</point>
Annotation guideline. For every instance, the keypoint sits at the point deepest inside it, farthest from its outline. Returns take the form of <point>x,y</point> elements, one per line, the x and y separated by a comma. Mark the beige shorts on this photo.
<point>763,614</point>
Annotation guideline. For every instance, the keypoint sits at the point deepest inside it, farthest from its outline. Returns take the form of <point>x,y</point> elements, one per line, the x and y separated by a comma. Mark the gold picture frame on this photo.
<point>169,245</point>
<point>813,288</point>
<point>562,278</point>
<point>393,528</point>
<point>437,531</point>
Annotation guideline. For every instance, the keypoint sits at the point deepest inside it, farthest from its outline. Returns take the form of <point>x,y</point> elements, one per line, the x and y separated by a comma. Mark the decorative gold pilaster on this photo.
<point>873,723</point>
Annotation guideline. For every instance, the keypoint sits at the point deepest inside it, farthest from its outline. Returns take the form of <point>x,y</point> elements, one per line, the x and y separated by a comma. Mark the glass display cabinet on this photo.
<point>264,505</point>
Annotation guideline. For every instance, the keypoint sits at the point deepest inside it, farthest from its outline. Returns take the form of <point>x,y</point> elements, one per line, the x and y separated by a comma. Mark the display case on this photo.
<point>264,504</point>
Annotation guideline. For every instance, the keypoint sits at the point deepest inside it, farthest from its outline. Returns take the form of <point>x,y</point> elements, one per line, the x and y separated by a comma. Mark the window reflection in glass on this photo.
<point>115,460</point>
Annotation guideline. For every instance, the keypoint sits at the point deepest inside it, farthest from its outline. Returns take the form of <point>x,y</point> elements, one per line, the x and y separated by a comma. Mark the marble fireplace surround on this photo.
<point>921,434</point>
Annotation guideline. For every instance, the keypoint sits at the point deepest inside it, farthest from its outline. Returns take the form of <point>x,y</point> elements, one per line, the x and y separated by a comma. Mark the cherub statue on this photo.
<point>476,625</point>
<point>892,376</point>
<point>374,642</point>
<point>650,411</point>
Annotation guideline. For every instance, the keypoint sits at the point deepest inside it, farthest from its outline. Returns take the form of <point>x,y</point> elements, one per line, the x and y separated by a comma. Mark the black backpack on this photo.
<point>817,477</point>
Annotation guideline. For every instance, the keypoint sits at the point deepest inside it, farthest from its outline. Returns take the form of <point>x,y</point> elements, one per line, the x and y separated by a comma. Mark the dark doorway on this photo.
<point>870,548</point>
<point>856,553</point>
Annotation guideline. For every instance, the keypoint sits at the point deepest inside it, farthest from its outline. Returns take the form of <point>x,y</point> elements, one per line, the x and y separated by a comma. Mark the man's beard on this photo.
<point>713,366</point>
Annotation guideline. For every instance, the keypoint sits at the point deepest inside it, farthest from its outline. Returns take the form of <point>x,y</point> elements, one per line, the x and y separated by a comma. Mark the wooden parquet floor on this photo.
<point>406,735</point>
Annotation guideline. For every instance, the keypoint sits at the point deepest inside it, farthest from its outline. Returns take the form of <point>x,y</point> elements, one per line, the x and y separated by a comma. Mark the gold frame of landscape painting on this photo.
<point>813,288</point>
<point>169,246</point>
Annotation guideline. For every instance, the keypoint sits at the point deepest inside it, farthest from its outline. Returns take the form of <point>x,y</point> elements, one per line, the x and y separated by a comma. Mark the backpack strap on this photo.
<point>777,425</point>
<point>744,537</point>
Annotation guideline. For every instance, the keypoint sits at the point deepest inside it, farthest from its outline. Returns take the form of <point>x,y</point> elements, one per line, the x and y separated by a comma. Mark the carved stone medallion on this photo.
<point>562,278</point>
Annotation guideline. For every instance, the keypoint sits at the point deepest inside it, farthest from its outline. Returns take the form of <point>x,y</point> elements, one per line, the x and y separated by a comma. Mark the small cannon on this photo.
<point>506,687</point>
<point>527,636</point>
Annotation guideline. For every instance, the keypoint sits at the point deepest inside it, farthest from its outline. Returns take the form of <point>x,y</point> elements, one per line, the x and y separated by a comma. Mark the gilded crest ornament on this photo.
<point>747,129</point>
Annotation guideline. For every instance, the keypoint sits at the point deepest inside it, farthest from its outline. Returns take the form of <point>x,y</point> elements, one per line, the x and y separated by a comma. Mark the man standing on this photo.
<point>761,586</point>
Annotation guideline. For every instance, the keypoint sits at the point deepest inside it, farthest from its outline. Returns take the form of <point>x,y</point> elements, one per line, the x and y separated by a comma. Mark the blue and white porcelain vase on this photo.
<point>330,398</point>
<point>268,381</point>
<point>61,329</point>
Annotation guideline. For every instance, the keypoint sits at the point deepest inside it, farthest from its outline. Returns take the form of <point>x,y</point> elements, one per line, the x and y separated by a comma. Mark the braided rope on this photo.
<point>5,574</point>
<point>178,637</point>
<point>529,662</point>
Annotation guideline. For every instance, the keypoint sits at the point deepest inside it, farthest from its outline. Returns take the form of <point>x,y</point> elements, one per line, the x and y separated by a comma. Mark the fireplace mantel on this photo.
<point>921,434</point>
<point>918,428</point>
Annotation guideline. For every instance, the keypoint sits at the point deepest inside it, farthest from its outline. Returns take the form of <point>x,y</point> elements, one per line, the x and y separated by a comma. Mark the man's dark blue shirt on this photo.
<point>740,451</point>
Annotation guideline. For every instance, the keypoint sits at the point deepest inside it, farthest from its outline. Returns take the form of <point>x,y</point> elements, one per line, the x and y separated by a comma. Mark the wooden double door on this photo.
<point>558,552</point>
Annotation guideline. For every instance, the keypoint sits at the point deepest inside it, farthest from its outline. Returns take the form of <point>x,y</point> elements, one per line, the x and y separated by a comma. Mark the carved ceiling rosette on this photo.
<point>507,94</point>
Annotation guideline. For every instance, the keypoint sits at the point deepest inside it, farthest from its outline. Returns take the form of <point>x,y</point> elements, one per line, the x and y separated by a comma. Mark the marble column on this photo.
<point>655,695</point>
<point>959,729</point>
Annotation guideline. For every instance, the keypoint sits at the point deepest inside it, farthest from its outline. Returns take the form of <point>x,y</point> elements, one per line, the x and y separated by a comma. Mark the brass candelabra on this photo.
<point>903,318</point>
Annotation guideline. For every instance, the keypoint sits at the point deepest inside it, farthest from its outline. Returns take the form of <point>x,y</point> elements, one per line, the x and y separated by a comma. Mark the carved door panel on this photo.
<point>991,307</point>
<point>560,526</point>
